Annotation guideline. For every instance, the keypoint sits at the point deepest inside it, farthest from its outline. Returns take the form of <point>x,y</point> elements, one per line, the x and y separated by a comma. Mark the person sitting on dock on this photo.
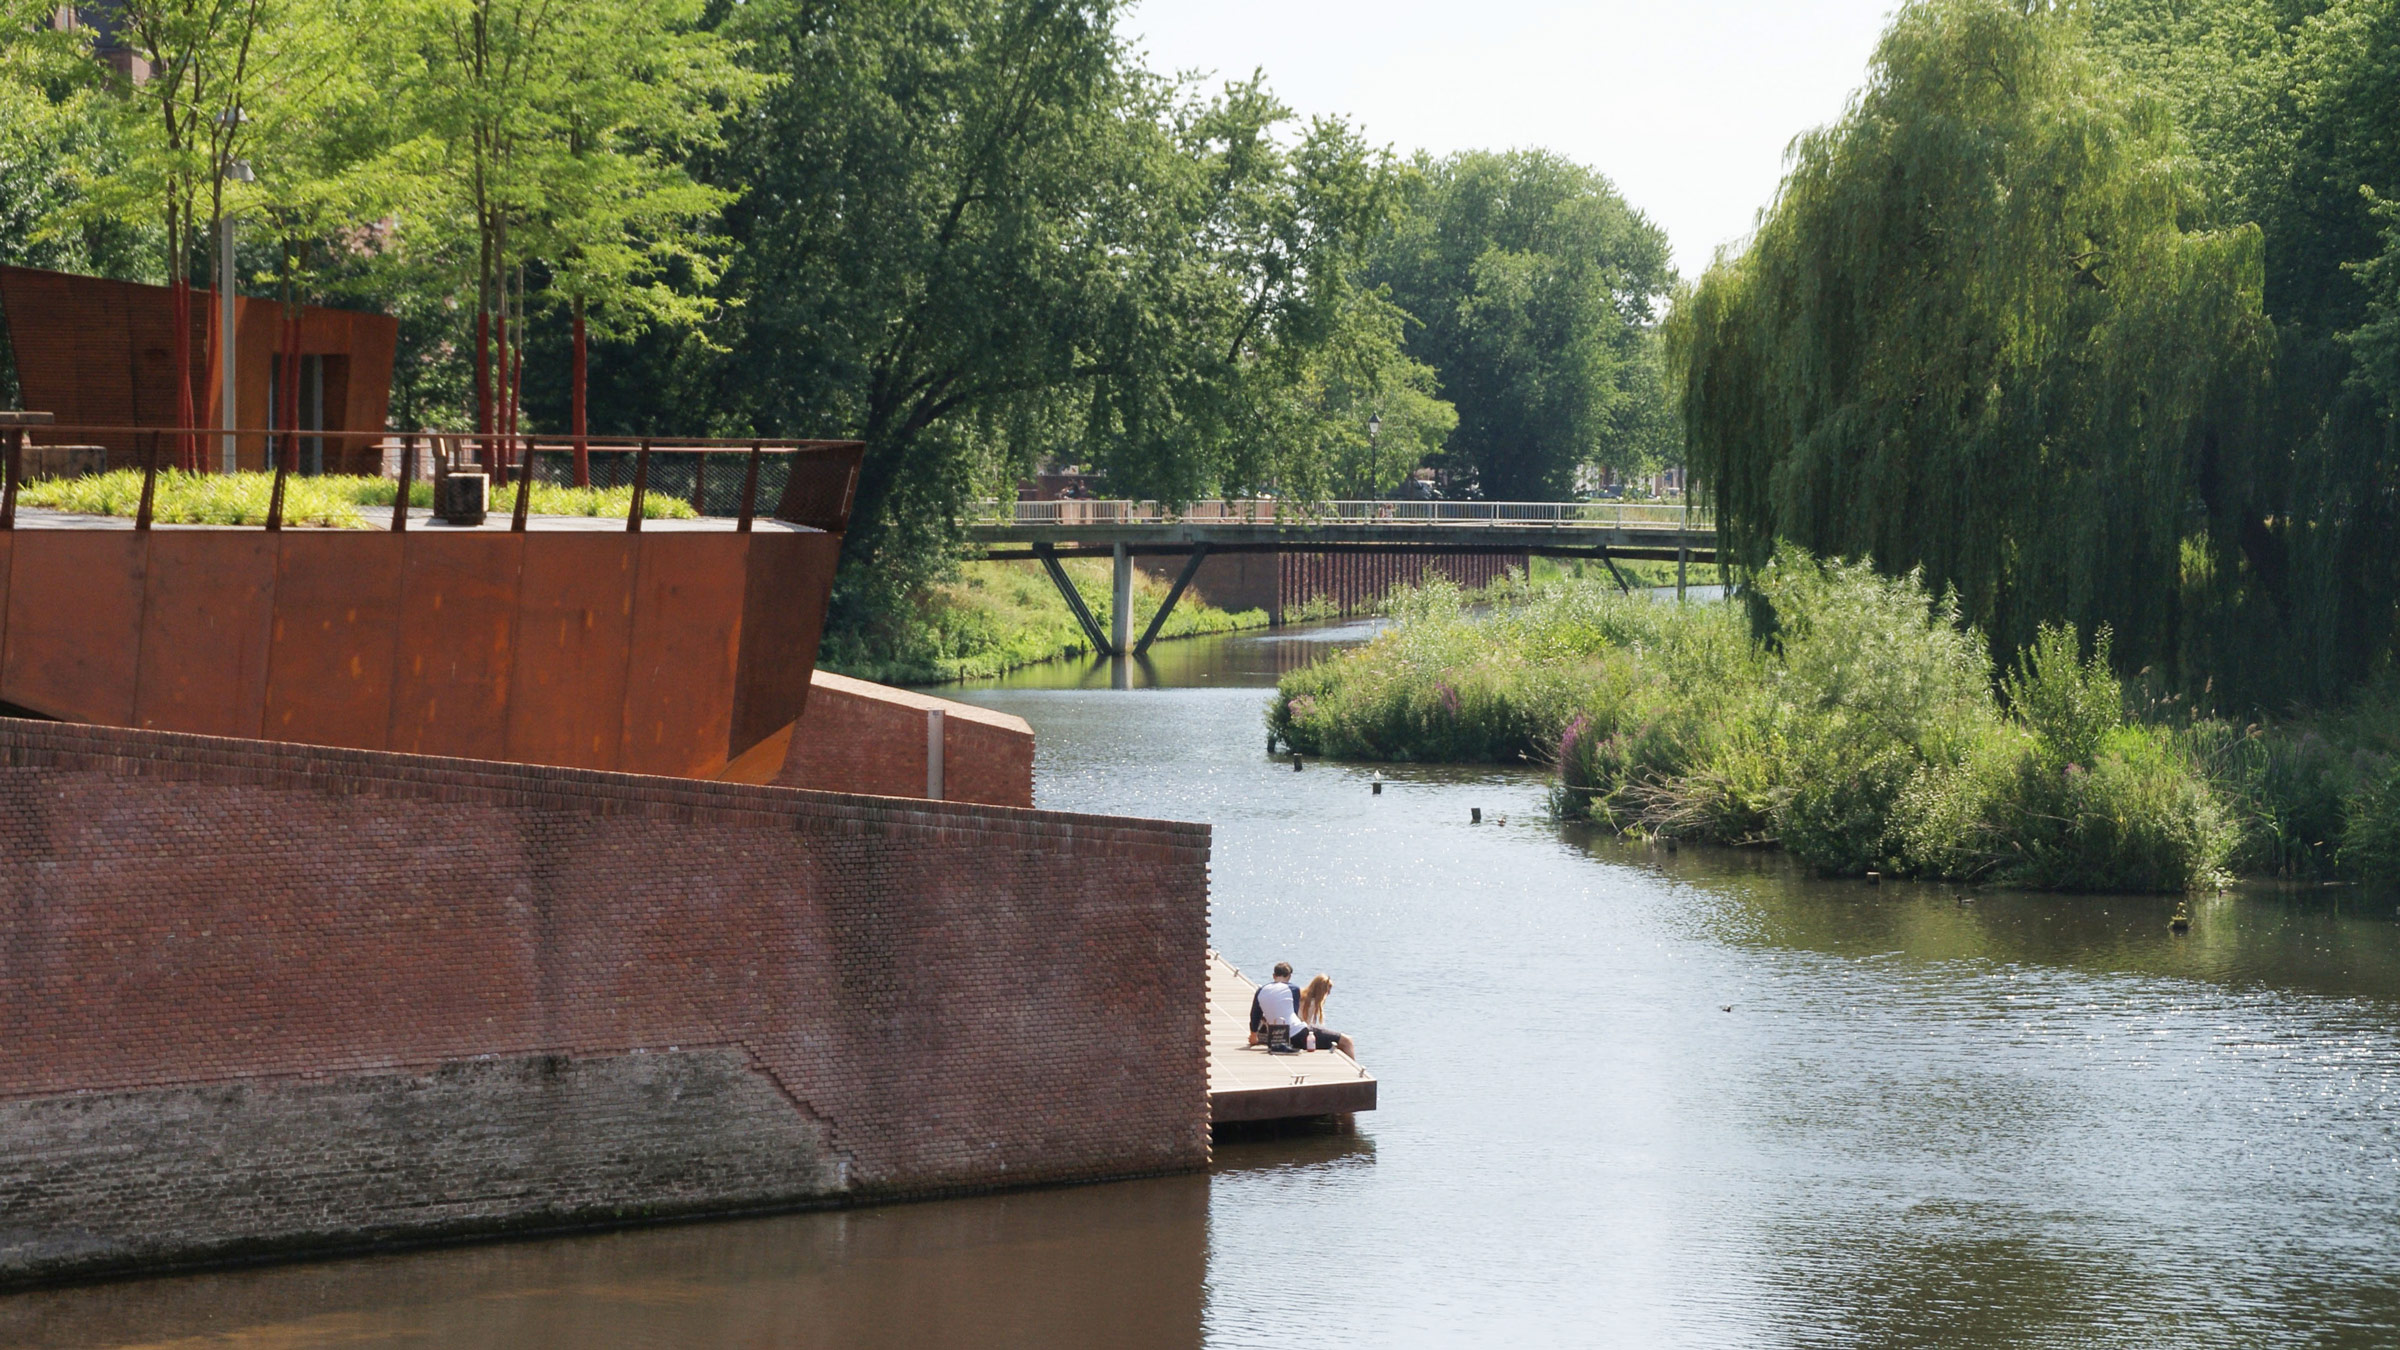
<point>1275,1013</point>
<point>1312,1015</point>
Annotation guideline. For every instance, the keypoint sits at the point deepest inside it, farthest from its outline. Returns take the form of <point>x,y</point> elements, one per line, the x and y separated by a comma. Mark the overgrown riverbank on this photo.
<point>1867,732</point>
<point>995,617</point>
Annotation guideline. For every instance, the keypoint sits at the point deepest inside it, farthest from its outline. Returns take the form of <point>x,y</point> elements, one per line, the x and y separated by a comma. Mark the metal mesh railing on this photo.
<point>1274,511</point>
<point>719,477</point>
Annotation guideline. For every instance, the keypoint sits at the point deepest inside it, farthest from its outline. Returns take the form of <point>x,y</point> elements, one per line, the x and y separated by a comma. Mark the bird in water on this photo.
<point>2182,922</point>
<point>1724,1007</point>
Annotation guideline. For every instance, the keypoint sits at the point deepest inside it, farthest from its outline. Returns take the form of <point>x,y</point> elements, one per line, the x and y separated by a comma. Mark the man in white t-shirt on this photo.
<point>1277,1004</point>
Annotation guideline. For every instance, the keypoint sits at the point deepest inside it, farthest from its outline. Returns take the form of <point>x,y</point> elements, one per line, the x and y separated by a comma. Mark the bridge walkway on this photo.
<point>1047,531</point>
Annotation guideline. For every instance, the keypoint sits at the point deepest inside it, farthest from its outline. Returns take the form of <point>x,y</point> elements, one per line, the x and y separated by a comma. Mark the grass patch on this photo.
<point>995,617</point>
<point>1846,717</point>
<point>330,501</point>
<point>1639,572</point>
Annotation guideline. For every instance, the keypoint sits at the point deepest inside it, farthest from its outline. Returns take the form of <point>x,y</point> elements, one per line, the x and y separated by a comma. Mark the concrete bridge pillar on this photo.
<point>1120,605</point>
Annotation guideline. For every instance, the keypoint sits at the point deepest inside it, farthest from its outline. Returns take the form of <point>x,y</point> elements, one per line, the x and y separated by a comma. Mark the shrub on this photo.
<point>2370,847</point>
<point>1860,731</point>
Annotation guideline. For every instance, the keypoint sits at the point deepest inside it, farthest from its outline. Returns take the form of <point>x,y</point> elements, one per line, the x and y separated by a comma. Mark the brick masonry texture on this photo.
<point>260,996</point>
<point>862,737</point>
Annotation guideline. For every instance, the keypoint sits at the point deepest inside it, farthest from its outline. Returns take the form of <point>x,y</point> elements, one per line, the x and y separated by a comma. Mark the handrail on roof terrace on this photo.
<point>506,456</point>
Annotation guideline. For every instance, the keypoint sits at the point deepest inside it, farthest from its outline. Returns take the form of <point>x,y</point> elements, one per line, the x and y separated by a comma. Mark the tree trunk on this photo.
<point>499,453</point>
<point>583,449</point>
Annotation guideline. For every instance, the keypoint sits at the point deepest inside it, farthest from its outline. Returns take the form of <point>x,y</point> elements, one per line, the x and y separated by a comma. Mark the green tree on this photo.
<point>2293,112</point>
<point>1977,333</point>
<point>1535,289</point>
<point>558,136</point>
<point>974,233</point>
<point>181,124</point>
<point>55,133</point>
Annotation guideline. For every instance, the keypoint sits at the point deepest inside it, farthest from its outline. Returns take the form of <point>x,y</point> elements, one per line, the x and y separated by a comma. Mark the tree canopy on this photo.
<point>1985,330</point>
<point>976,234</point>
<point>1535,291</point>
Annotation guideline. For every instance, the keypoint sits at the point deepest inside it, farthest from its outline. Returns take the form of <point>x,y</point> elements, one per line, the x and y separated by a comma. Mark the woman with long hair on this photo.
<point>1312,1012</point>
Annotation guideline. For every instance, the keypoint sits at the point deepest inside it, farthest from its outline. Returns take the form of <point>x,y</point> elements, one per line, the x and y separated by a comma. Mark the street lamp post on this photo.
<point>228,460</point>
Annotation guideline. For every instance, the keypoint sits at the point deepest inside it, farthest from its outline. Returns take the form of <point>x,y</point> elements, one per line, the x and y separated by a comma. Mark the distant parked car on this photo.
<point>1416,490</point>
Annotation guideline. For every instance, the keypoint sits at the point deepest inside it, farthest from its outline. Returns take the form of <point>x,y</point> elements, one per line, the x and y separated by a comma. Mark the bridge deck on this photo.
<point>1429,537</point>
<point>1247,1083</point>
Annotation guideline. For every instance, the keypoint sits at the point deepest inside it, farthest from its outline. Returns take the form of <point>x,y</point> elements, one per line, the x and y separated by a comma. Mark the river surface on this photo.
<point>1627,1099</point>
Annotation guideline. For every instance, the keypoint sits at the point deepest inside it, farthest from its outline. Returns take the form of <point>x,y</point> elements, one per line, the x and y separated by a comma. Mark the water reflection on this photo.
<point>2332,941</point>
<point>1113,1265</point>
<point>1232,660</point>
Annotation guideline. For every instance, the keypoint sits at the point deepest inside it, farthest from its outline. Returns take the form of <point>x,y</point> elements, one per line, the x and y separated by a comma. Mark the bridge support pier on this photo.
<point>1120,603</point>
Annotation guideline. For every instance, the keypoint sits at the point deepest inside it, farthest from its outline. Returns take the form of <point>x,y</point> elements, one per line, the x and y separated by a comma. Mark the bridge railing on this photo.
<point>1276,511</point>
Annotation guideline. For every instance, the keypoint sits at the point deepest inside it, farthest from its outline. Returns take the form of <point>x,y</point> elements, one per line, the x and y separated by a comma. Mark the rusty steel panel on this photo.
<point>567,697</point>
<point>205,630</point>
<point>337,609</point>
<point>783,615</point>
<point>687,612</point>
<point>8,549</point>
<point>74,624</point>
<point>458,618</point>
<point>822,484</point>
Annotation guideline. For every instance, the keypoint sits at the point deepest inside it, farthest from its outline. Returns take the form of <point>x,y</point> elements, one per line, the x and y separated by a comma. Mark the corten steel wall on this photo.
<point>266,997</point>
<point>357,348</point>
<point>1355,581</point>
<point>872,738</point>
<point>102,353</point>
<point>668,651</point>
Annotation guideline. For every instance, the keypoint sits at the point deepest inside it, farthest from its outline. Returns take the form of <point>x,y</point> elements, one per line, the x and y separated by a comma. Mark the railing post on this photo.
<point>750,489</point>
<point>516,520</point>
<point>700,482</point>
<point>641,486</point>
<point>141,518</point>
<point>408,478</point>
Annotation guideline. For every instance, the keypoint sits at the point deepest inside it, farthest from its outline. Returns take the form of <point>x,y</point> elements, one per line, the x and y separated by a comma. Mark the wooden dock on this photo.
<point>1247,1083</point>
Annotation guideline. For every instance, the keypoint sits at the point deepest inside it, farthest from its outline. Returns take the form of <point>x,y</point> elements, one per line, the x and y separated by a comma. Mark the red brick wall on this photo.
<point>191,926</point>
<point>862,737</point>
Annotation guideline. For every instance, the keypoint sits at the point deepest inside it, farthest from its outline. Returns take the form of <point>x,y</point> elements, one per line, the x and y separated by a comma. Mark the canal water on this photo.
<point>1627,1099</point>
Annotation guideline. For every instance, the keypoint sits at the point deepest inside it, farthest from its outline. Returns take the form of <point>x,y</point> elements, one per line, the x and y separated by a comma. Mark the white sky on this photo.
<point>1686,104</point>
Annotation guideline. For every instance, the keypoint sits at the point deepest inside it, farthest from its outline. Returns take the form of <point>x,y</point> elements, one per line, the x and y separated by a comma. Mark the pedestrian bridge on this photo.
<point>1047,531</point>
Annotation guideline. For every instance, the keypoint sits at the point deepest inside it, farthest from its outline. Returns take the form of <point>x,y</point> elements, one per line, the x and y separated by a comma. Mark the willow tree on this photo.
<point>1976,333</point>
